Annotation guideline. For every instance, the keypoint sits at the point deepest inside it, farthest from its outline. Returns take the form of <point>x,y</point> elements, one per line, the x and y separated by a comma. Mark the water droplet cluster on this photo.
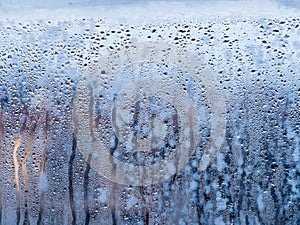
<point>254,178</point>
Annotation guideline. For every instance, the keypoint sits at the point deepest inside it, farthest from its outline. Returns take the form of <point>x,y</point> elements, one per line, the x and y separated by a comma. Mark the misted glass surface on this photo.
<point>137,112</point>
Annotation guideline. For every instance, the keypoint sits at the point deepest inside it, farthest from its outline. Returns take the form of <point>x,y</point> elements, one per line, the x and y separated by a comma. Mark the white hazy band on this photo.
<point>98,155</point>
<point>145,11</point>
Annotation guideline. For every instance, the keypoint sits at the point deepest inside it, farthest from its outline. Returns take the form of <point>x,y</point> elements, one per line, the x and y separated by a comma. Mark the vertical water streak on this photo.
<point>41,210</point>
<point>0,207</point>
<point>71,189</point>
<point>25,173</point>
<point>88,164</point>
<point>112,199</point>
<point>112,203</point>
<point>43,169</point>
<point>145,208</point>
<point>1,127</point>
<point>1,138</point>
<point>16,166</point>
<point>85,186</point>
<point>113,184</point>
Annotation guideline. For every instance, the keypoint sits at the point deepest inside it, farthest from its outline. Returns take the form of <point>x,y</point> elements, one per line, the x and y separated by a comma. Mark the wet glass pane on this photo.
<point>149,112</point>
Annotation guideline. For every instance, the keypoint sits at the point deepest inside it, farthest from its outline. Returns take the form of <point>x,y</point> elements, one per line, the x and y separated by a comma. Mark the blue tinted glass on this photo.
<point>149,112</point>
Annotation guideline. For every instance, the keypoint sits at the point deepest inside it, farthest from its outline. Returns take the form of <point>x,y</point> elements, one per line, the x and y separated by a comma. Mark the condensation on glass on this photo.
<point>71,88</point>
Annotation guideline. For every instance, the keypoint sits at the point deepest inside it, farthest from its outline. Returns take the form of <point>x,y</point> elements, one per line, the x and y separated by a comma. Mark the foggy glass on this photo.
<point>137,112</point>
